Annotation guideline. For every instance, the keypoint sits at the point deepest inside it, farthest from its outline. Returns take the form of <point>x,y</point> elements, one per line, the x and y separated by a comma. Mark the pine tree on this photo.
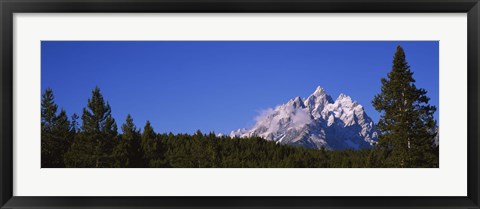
<point>56,136</point>
<point>406,120</point>
<point>93,146</point>
<point>152,148</point>
<point>148,141</point>
<point>98,117</point>
<point>128,152</point>
<point>63,134</point>
<point>49,109</point>
<point>50,147</point>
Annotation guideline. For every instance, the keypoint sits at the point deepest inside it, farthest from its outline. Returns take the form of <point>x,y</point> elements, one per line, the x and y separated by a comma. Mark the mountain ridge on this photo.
<point>314,122</point>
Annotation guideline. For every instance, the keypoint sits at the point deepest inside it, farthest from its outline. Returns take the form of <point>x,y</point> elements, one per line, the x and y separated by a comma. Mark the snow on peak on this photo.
<point>238,133</point>
<point>315,122</point>
<point>343,98</point>
<point>296,102</point>
<point>317,101</point>
<point>319,91</point>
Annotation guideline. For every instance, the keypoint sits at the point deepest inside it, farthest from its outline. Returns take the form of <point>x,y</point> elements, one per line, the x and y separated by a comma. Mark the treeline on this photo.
<point>405,138</point>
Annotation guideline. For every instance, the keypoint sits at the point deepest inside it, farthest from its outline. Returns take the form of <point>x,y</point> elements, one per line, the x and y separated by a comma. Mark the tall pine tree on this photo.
<point>55,132</point>
<point>93,146</point>
<point>48,114</point>
<point>406,123</point>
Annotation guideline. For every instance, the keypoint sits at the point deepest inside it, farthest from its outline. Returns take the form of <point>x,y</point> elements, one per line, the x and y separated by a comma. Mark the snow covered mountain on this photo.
<point>315,122</point>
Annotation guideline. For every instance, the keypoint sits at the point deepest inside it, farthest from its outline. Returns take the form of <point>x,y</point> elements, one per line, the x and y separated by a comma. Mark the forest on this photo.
<point>405,139</point>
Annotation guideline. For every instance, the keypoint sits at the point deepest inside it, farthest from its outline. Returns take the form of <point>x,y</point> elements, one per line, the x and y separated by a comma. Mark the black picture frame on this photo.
<point>9,7</point>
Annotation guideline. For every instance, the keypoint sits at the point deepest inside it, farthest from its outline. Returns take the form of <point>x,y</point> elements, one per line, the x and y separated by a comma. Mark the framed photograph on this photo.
<point>239,104</point>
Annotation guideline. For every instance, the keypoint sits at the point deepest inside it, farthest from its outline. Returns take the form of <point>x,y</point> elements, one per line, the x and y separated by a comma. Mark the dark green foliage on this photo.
<point>81,153</point>
<point>128,152</point>
<point>50,147</point>
<point>56,132</point>
<point>49,109</point>
<point>93,146</point>
<point>406,122</point>
<point>153,151</point>
<point>210,151</point>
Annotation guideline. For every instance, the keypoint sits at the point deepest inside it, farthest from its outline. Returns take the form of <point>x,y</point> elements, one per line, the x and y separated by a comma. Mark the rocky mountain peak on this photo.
<point>316,122</point>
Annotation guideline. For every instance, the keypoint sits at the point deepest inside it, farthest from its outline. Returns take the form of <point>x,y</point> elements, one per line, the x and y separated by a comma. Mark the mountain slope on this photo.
<point>315,122</point>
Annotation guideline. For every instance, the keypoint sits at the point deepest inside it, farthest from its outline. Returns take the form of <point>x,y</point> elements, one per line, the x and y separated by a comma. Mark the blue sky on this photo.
<point>182,86</point>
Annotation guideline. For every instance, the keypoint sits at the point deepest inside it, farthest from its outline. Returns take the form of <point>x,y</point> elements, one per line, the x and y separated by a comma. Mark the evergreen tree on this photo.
<point>55,132</point>
<point>148,141</point>
<point>93,146</point>
<point>97,117</point>
<point>406,120</point>
<point>50,147</point>
<point>128,152</point>
<point>152,148</point>
<point>63,134</point>
<point>49,109</point>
